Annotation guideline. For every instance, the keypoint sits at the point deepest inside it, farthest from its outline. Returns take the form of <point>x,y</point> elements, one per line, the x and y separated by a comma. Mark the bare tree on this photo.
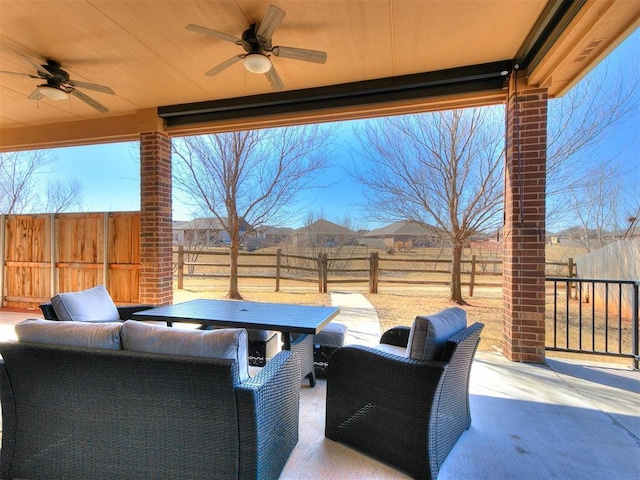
<point>22,189</point>
<point>251,176</point>
<point>440,169</point>
<point>596,207</point>
<point>18,180</point>
<point>63,195</point>
<point>577,123</point>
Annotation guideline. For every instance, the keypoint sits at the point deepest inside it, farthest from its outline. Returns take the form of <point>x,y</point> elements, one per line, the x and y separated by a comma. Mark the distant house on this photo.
<point>322,233</point>
<point>178,233</point>
<point>204,231</point>
<point>270,236</point>
<point>409,233</point>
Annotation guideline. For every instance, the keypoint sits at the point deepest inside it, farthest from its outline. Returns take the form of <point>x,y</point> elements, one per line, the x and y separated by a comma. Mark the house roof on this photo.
<point>383,57</point>
<point>323,227</point>
<point>402,228</point>
<point>201,224</point>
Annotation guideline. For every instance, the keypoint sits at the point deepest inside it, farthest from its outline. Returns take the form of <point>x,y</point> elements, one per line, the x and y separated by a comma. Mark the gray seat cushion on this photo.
<point>429,334</point>
<point>229,343</point>
<point>76,334</point>
<point>332,335</point>
<point>93,304</point>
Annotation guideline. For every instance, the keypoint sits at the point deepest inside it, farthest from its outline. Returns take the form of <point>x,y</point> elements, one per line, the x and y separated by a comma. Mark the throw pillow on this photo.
<point>429,334</point>
<point>229,343</point>
<point>94,304</point>
<point>104,335</point>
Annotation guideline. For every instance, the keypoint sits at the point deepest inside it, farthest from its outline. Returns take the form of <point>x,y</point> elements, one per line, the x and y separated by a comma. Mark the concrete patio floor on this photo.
<point>565,419</point>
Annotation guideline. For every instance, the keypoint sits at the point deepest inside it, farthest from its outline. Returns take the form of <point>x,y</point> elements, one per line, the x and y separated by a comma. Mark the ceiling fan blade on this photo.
<point>35,95</point>
<point>89,101</point>
<point>274,79</point>
<point>20,74</point>
<point>38,67</point>
<point>91,86</point>
<point>270,22</point>
<point>315,56</point>
<point>224,65</point>
<point>213,33</point>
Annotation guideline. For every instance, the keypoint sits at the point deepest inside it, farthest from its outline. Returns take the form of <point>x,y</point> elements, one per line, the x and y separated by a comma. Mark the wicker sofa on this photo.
<point>406,401</point>
<point>95,304</point>
<point>93,403</point>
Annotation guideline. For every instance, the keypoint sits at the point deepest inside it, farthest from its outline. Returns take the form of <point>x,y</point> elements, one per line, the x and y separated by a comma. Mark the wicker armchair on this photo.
<point>408,413</point>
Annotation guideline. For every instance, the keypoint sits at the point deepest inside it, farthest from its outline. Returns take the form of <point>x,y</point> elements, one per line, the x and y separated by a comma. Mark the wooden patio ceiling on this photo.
<point>383,57</point>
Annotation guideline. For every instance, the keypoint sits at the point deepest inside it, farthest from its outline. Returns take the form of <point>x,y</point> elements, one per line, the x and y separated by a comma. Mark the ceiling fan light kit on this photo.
<point>52,92</point>
<point>257,63</point>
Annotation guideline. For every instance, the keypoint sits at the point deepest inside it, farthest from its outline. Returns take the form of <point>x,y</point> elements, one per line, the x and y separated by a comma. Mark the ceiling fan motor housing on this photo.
<point>254,44</point>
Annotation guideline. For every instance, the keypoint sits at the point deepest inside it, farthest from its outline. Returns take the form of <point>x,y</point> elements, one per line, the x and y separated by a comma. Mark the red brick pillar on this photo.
<point>156,281</point>
<point>524,228</point>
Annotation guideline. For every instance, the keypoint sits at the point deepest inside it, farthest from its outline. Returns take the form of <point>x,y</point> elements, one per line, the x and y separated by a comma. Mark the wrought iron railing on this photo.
<point>593,316</point>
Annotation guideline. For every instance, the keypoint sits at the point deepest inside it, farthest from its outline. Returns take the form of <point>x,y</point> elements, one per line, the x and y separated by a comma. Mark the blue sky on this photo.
<point>110,173</point>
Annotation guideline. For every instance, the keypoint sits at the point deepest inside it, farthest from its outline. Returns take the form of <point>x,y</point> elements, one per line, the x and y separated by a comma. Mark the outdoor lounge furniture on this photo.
<point>263,345</point>
<point>93,304</point>
<point>406,401</point>
<point>292,321</point>
<point>302,346</point>
<point>131,400</point>
<point>325,343</point>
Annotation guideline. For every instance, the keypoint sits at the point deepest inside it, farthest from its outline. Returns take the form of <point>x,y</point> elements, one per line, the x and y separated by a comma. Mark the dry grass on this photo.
<point>395,309</point>
<point>392,309</point>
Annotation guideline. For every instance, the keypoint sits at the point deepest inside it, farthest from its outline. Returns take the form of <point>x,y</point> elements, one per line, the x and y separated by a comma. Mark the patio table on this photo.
<point>285,318</point>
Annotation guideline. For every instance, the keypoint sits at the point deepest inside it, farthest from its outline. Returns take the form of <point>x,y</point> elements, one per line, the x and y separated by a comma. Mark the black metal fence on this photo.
<point>594,316</point>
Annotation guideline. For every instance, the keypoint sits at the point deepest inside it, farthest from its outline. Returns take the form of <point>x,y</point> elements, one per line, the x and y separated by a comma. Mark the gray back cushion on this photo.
<point>429,334</point>
<point>94,304</point>
<point>229,343</point>
<point>76,334</point>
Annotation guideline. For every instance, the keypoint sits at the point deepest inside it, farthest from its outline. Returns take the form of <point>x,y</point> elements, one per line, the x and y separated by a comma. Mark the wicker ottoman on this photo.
<point>325,343</point>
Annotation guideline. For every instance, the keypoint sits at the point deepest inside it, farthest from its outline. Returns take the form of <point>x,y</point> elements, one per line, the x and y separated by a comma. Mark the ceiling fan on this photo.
<point>58,86</point>
<point>256,42</point>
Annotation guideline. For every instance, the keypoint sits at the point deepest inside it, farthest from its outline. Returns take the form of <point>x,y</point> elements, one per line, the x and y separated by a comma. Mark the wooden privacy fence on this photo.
<point>43,254</point>
<point>373,269</point>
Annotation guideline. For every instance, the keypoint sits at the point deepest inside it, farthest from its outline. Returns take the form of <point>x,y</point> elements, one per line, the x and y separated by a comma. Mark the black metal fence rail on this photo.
<point>594,316</point>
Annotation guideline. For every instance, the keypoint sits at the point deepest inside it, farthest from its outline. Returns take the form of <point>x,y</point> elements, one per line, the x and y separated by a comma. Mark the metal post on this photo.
<point>634,334</point>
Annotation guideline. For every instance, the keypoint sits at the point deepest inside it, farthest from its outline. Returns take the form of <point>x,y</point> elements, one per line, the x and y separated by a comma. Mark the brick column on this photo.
<point>524,228</point>
<point>156,281</point>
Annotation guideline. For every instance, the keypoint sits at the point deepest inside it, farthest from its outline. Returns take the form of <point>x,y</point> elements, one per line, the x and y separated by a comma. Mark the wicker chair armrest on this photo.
<point>398,336</point>
<point>268,415</point>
